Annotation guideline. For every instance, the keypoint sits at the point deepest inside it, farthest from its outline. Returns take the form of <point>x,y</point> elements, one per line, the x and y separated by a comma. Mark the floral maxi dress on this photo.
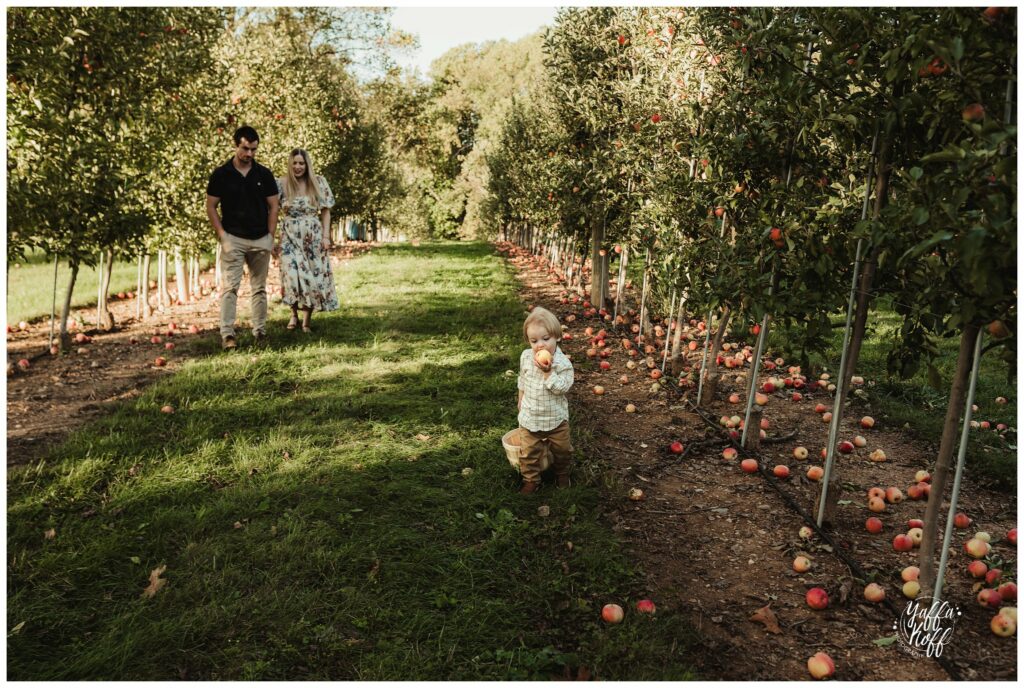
<point>306,278</point>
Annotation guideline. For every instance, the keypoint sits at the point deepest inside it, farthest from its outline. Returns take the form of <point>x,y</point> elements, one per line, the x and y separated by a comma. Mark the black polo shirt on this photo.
<point>243,199</point>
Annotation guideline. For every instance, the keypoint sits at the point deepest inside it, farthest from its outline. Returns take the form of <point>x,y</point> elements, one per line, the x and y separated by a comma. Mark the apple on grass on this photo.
<point>167,409</point>
<point>612,613</point>
<point>645,607</point>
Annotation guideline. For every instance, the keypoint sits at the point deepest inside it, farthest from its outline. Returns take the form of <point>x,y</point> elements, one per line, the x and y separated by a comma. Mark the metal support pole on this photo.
<point>668,333</point>
<point>704,358</point>
<point>752,391</point>
<point>960,461</point>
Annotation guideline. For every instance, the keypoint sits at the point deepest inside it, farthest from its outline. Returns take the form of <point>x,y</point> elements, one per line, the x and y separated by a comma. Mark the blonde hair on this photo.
<point>291,184</point>
<point>544,318</point>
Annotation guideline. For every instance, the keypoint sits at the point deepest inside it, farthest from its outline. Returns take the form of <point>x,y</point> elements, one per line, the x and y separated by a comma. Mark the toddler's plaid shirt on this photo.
<point>544,403</point>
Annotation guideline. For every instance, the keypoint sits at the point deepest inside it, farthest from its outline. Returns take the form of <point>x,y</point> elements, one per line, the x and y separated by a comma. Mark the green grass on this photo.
<point>30,285</point>
<point>361,552</point>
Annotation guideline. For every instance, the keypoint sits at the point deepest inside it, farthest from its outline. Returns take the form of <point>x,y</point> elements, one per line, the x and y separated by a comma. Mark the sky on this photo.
<point>441,28</point>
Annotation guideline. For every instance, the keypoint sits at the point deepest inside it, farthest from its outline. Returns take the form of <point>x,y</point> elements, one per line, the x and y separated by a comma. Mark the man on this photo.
<point>247,194</point>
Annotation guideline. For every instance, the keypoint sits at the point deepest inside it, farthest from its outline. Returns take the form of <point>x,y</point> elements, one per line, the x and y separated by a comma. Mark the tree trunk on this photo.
<point>65,312</point>
<point>106,318</point>
<point>859,325</point>
<point>138,288</point>
<point>606,301</point>
<point>596,239</point>
<point>101,300</point>
<point>143,295</point>
<point>53,305</point>
<point>753,442</point>
<point>181,281</point>
<point>711,375</point>
<point>165,296</point>
<point>943,463</point>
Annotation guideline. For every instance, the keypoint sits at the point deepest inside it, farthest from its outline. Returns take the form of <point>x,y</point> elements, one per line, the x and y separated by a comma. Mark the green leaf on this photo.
<point>916,173</point>
<point>885,642</point>
<point>958,48</point>
<point>135,560</point>
<point>920,215</point>
<point>951,154</point>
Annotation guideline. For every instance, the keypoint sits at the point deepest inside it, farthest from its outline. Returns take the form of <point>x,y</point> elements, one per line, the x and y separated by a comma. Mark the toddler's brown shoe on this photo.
<point>529,488</point>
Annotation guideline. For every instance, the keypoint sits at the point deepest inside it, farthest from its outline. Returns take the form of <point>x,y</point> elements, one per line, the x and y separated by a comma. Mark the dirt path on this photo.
<point>717,544</point>
<point>57,395</point>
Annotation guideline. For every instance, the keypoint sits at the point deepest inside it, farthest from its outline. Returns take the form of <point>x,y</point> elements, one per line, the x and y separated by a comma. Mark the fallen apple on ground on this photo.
<point>873,525</point>
<point>989,598</point>
<point>749,465</point>
<point>978,549</point>
<point>910,573</point>
<point>645,607</point>
<point>801,564</point>
<point>817,598</point>
<point>961,520</point>
<point>821,666</point>
<point>800,453</point>
<point>729,454</point>
<point>676,447</point>
<point>815,473</point>
<point>1002,625</point>
<point>911,589</point>
<point>781,471</point>
<point>902,543</point>
<point>874,592</point>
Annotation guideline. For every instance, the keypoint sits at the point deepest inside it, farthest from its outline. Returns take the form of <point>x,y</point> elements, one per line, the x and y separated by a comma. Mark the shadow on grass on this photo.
<point>337,509</point>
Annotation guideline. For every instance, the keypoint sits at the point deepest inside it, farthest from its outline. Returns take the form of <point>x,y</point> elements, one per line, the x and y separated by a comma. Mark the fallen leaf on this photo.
<point>155,581</point>
<point>50,534</point>
<point>238,524</point>
<point>17,629</point>
<point>135,560</point>
<point>844,590</point>
<point>766,616</point>
<point>374,570</point>
<point>421,437</point>
<point>544,511</point>
<point>885,642</point>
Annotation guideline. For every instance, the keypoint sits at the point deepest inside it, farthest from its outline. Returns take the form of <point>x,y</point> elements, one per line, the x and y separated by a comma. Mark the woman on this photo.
<point>306,277</point>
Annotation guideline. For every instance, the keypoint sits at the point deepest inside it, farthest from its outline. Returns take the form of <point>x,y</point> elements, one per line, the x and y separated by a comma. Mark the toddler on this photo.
<point>545,375</point>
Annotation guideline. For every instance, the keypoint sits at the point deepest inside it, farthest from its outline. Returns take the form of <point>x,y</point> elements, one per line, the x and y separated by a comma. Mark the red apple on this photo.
<point>797,396</point>
<point>729,454</point>
<point>976,549</point>
<point>845,447</point>
<point>817,598</point>
<point>598,389</point>
<point>169,345</point>
<point>24,364</point>
<point>734,398</point>
<point>801,564</point>
<point>915,523</point>
<point>167,409</point>
<point>155,340</point>
<point>893,495</point>
<point>749,465</point>
<point>977,569</point>
<point>645,607</point>
<point>902,543</point>
<point>910,573</point>
<point>820,408</point>
<point>873,525</point>
<point>1008,591</point>
<point>975,112</point>
<point>815,473</point>
<point>1011,535</point>
<point>923,477</point>
<point>989,598</point>
<point>612,613</point>
<point>867,422</point>
<point>993,576</point>
<point>876,504</point>
<point>676,447</point>
<point>160,361</point>
<point>961,520</point>
<point>781,471</point>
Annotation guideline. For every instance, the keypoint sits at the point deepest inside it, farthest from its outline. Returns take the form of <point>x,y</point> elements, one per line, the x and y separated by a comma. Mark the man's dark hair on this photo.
<point>247,133</point>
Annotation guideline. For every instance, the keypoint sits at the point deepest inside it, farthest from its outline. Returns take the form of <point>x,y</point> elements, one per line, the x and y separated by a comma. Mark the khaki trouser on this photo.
<point>234,253</point>
<point>532,448</point>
